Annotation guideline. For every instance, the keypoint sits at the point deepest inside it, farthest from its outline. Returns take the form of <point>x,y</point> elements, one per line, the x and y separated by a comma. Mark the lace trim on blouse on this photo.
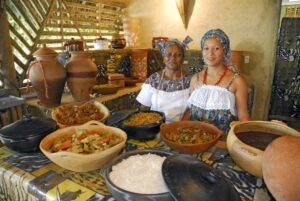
<point>156,81</point>
<point>209,97</point>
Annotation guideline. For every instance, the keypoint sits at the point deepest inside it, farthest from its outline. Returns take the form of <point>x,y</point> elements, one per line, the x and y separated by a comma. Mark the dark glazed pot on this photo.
<point>123,195</point>
<point>26,134</point>
<point>118,42</point>
<point>145,132</point>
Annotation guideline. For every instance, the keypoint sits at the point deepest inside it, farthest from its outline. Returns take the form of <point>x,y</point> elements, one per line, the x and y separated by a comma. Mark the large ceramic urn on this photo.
<point>47,76</point>
<point>81,73</point>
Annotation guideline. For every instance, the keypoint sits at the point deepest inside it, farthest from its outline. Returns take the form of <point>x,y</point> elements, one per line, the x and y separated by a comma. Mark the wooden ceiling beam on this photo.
<point>34,13</point>
<point>109,27</point>
<point>55,41</point>
<point>120,3</point>
<point>34,47</point>
<point>20,63</point>
<point>19,23</point>
<point>19,36</point>
<point>22,11</point>
<point>19,49</point>
<point>40,9</point>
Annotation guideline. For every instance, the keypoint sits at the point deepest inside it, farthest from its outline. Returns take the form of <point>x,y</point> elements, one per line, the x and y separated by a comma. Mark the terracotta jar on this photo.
<point>81,71</point>
<point>47,76</point>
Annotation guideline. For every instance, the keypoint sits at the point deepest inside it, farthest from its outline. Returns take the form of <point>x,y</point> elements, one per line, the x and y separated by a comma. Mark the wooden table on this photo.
<point>34,177</point>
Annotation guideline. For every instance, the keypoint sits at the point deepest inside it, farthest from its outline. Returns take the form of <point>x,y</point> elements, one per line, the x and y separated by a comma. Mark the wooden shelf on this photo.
<point>67,98</point>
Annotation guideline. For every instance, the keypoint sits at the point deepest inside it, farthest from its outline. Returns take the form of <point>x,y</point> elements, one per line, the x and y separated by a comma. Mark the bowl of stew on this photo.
<point>189,136</point>
<point>83,148</point>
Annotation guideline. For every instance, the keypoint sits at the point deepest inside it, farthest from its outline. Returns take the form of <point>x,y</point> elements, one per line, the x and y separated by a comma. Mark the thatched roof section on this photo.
<point>53,22</point>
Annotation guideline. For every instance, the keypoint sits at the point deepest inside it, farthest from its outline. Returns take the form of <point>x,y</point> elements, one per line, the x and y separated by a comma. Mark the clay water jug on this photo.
<point>47,76</point>
<point>81,75</point>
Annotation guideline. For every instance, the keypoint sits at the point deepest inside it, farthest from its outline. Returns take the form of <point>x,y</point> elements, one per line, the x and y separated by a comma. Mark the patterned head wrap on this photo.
<point>183,45</point>
<point>223,38</point>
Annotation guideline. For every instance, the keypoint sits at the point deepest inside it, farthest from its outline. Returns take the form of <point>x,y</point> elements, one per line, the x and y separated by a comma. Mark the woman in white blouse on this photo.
<point>167,90</point>
<point>219,95</point>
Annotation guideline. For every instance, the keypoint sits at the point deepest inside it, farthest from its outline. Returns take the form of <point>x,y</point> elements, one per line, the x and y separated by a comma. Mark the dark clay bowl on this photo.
<point>123,195</point>
<point>144,132</point>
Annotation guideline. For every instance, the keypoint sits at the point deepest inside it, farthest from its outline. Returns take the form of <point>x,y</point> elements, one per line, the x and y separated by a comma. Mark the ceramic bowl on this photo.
<point>123,195</point>
<point>63,111</point>
<point>189,148</point>
<point>143,132</point>
<point>82,162</point>
<point>247,156</point>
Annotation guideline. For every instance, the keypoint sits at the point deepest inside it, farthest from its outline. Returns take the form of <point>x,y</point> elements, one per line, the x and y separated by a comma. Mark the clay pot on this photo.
<point>47,76</point>
<point>81,71</point>
<point>118,41</point>
<point>101,43</point>
<point>248,157</point>
<point>73,45</point>
<point>281,168</point>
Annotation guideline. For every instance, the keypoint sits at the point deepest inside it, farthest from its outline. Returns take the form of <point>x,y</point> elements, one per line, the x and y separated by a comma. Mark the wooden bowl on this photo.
<point>82,162</point>
<point>56,112</point>
<point>249,157</point>
<point>189,148</point>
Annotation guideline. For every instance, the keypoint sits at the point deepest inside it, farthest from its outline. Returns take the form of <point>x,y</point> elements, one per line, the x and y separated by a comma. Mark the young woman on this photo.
<point>167,91</point>
<point>218,95</point>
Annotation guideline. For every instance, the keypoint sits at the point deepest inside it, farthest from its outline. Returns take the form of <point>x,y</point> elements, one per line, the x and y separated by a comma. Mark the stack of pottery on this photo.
<point>47,76</point>
<point>81,71</point>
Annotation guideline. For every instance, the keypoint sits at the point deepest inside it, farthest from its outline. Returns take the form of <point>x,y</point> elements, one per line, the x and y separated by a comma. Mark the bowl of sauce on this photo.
<point>247,141</point>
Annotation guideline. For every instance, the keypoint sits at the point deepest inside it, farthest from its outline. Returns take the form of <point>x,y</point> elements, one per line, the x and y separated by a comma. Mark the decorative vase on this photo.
<point>81,73</point>
<point>47,76</point>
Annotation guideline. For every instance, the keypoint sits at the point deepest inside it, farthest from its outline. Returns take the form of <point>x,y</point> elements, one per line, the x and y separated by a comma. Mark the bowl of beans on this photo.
<point>189,136</point>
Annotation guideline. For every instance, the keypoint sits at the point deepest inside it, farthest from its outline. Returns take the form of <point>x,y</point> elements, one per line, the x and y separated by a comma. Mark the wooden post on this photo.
<point>6,55</point>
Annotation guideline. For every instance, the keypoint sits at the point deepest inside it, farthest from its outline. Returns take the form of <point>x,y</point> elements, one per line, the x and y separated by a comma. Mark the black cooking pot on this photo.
<point>26,134</point>
<point>144,132</point>
<point>124,195</point>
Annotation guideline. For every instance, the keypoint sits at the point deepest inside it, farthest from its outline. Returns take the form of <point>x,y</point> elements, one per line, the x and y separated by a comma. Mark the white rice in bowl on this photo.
<point>140,174</point>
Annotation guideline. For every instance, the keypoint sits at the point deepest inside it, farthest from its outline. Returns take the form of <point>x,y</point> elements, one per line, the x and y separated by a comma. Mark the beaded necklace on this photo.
<point>219,80</point>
